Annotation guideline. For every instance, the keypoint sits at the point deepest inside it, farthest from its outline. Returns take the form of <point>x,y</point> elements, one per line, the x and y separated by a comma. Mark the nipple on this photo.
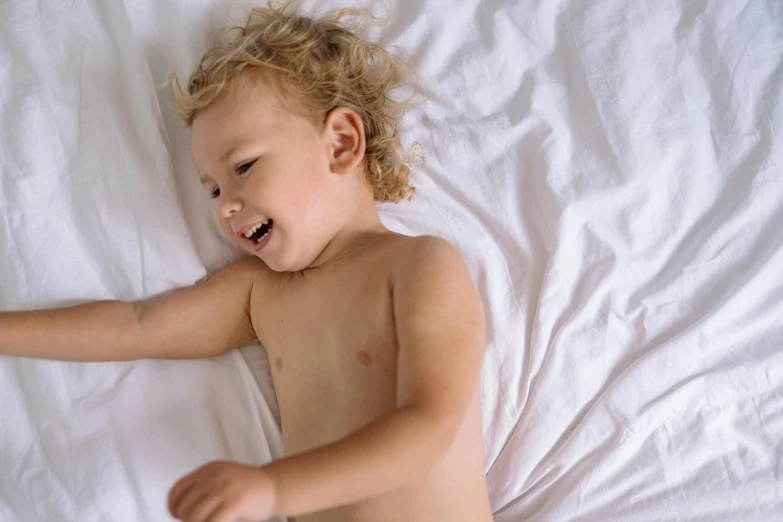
<point>364,358</point>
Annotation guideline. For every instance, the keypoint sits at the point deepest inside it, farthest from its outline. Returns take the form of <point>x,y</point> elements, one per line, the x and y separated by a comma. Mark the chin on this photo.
<point>276,264</point>
<point>271,264</point>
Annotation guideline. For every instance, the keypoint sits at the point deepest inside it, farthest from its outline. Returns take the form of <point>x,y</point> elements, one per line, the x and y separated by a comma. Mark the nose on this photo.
<point>229,205</point>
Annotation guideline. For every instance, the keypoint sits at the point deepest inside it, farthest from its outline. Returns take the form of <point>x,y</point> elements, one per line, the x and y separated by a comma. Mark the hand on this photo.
<point>223,492</point>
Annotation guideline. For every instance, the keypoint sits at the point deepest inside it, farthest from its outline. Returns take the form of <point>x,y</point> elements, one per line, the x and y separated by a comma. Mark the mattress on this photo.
<point>610,170</point>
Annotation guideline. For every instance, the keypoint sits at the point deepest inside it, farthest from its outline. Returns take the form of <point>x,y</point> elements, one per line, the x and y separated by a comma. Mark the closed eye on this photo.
<point>242,169</point>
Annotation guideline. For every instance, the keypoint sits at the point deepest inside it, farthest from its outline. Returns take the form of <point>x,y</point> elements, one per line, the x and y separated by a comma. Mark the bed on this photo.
<point>612,172</point>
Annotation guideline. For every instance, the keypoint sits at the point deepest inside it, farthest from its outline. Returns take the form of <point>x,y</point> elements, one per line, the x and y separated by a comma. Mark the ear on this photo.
<point>344,133</point>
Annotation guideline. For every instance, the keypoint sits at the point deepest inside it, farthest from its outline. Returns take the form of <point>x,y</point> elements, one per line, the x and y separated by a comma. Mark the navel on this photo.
<point>279,364</point>
<point>364,358</point>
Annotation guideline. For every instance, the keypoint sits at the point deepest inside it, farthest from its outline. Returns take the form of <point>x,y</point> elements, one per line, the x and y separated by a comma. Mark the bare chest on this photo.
<point>333,353</point>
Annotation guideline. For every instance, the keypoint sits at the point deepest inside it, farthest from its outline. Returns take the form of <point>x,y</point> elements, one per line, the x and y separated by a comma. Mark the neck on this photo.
<point>365,221</point>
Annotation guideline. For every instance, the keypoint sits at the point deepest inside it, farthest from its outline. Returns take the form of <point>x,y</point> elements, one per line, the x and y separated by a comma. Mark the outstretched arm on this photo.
<point>194,322</point>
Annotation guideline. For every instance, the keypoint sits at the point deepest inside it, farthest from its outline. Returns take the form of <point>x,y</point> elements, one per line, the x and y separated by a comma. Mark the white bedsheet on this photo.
<point>611,171</point>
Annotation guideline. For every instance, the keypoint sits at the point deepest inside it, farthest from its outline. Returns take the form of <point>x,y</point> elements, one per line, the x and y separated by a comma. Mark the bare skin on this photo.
<point>347,356</point>
<point>375,339</point>
<point>352,380</point>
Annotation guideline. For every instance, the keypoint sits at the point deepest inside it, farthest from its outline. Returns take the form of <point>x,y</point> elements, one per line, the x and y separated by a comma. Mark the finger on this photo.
<point>202,512</point>
<point>178,490</point>
<point>181,488</point>
<point>224,513</point>
<point>194,497</point>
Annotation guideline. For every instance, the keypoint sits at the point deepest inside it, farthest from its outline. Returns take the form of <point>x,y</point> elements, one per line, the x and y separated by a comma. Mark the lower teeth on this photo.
<point>268,228</point>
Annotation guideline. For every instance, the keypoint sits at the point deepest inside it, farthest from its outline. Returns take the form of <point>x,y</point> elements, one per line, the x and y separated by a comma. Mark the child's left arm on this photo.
<point>439,321</point>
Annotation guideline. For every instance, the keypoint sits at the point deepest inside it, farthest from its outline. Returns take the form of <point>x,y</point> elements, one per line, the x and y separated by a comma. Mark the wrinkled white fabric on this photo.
<point>89,211</point>
<point>611,171</point>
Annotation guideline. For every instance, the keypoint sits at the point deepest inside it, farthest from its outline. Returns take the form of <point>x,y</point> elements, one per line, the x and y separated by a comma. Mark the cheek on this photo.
<point>296,193</point>
<point>299,194</point>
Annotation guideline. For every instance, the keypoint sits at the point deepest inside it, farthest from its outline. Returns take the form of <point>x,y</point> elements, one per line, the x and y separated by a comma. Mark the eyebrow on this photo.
<point>223,158</point>
<point>228,154</point>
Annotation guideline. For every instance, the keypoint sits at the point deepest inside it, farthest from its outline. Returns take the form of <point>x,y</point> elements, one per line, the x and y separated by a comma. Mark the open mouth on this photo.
<point>259,232</point>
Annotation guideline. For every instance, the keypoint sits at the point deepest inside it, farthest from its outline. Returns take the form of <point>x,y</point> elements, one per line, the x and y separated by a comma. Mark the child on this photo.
<point>375,339</point>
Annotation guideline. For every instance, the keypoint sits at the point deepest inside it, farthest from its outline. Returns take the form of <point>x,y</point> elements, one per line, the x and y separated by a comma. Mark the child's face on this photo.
<point>269,168</point>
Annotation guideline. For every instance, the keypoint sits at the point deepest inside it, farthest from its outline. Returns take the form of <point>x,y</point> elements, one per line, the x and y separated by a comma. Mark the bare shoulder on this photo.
<point>247,270</point>
<point>431,272</point>
<point>247,282</point>
<point>245,277</point>
<point>422,255</point>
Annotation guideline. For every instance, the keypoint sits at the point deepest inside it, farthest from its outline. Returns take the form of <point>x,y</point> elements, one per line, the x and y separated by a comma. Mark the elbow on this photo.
<point>442,434</point>
<point>449,430</point>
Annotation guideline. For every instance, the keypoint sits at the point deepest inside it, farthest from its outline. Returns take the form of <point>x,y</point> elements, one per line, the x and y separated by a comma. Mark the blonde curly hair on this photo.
<point>327,63</point>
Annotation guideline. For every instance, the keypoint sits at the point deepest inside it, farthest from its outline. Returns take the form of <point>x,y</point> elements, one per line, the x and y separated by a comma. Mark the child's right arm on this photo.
<point>195,322</point>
